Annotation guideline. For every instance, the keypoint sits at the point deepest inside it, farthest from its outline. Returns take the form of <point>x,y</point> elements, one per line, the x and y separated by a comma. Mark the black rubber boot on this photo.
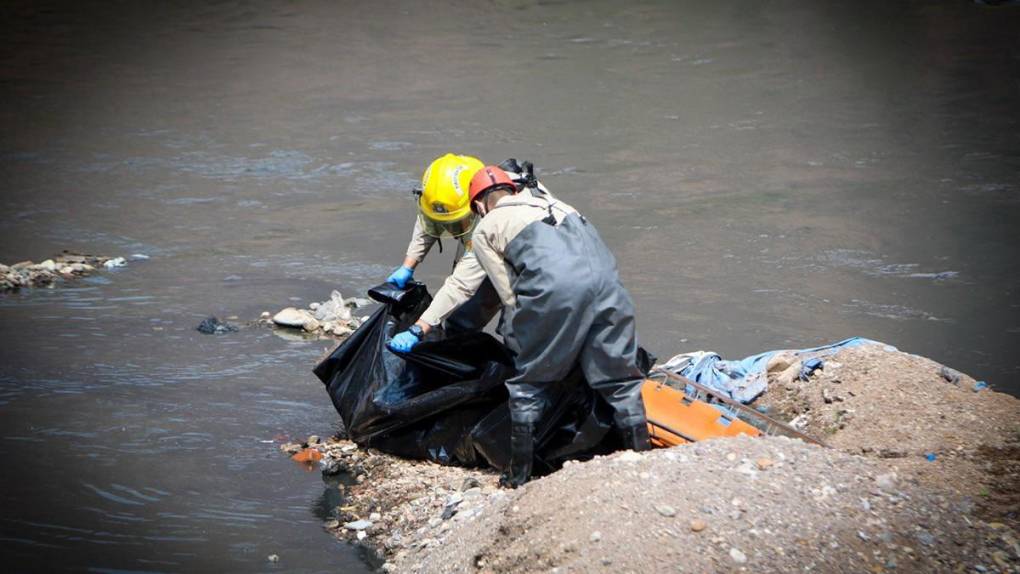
<point>635,437</point>
<point>522,445</point>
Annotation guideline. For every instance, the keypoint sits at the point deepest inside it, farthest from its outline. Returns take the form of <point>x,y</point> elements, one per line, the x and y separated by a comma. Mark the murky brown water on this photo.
<point>775,174</point>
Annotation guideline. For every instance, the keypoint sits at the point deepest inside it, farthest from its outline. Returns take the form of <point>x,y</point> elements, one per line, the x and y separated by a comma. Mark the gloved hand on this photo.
<point>403,342</point>
<point>522,445</point>
<point>400,276</point>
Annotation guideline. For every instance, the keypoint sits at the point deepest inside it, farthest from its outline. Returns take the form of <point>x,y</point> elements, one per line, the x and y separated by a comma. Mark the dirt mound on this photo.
<point>922,476</point>
<point>870,400</point>
<point>768,505</point>
<point>928,421</point>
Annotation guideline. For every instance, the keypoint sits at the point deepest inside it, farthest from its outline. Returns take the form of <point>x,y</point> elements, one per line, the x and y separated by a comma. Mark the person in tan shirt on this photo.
<point>466,301</point>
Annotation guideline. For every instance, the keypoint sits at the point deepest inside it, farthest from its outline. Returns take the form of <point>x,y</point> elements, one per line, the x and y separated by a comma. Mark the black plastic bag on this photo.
<point>446,401</point>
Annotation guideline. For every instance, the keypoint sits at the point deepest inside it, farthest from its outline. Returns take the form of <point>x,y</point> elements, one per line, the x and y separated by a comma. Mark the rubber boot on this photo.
<point>522,445</point>
<point>635,437</point>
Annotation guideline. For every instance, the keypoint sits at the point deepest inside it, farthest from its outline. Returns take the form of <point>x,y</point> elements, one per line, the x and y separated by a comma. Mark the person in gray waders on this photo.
<point>564,303</point>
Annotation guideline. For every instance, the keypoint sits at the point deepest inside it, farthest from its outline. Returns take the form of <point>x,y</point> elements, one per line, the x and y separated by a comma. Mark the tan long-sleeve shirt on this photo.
<point>467,276</point>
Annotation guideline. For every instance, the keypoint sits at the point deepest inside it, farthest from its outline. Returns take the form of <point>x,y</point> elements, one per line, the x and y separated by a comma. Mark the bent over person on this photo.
<point>565,305</point>
<point>466,301</point>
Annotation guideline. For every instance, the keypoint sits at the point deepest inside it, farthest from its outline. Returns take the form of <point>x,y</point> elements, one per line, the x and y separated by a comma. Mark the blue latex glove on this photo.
<point>400,276</point>
<point>403,342</point>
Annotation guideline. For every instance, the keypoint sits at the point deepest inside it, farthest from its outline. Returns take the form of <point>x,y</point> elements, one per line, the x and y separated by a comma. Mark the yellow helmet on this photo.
<point>444,202</point>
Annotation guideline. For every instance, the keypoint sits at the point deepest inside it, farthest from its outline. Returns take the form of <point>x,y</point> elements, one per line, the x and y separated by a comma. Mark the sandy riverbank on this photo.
<point>873,502</point>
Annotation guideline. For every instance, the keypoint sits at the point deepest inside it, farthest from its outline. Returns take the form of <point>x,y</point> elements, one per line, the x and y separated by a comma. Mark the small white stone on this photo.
<point>738,556</point>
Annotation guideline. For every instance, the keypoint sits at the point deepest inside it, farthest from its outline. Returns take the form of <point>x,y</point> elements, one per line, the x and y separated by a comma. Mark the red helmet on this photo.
<point>487,178</point>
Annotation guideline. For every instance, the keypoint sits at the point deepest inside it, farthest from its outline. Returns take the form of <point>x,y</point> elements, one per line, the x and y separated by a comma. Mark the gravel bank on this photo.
<point>874,502</point>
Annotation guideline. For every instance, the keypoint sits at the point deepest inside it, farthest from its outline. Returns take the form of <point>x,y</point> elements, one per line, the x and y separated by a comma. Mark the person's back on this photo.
<point>565,305</point>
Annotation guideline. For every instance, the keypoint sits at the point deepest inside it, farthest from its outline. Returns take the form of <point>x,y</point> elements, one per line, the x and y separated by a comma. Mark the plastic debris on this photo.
<point>213,326</point>
<point>980,386</point>
<point>930,456</point>
<point>115,262</point>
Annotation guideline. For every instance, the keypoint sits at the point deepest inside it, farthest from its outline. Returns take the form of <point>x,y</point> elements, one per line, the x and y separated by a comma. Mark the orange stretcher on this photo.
<point>680,411</point>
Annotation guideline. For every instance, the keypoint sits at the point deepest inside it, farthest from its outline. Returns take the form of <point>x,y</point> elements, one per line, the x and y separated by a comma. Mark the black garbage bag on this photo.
<point>446,401</point>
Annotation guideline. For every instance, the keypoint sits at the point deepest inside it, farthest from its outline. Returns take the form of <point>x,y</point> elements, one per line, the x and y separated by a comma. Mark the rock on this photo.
<point>48,265</point>
<point>886,482</point>
<point>375,517</point>
<point>290,448</point>
<point>738,556</point>
<point>115,262</point>
<point>595,536</point>
<point>362,535</point>
<point>780,362</point>
<point>314,439</point>
<point>950,375</point>
<point>266,315</point>
<point>470,482</point>
<point>665,510</point>
<point>764,463</point>
<point>296,319</point>
<point>213,326</point>
<point>358,525</point>
<point>273,558</point>
<point>697,525</point>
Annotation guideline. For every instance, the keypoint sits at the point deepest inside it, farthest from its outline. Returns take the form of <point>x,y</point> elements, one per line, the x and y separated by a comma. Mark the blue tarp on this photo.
<point>743,380</point>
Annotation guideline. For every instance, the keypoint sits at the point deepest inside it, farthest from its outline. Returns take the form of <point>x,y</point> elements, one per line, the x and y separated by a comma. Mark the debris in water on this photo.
<point>115,262</point>
<point>213,326</point>
<point>307,455</point>
<point>65,266</point>
<point>331,317</point>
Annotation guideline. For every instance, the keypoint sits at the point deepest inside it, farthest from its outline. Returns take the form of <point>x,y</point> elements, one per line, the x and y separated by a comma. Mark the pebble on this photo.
<point>595,536</point>
<point>665,510</point>
<point>738,556</point>
<point>273,558</point>
<point>362,535</point>
<point>764,463</point>
<point>886,482</point>
<point>697,525</point>
<point>375,517</point>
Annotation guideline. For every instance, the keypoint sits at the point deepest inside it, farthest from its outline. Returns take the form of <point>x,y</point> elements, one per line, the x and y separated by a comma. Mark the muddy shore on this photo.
<point>921,476</point>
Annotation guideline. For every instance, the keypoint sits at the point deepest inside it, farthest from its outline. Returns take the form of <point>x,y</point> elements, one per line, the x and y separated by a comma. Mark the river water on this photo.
<point>769,175</point>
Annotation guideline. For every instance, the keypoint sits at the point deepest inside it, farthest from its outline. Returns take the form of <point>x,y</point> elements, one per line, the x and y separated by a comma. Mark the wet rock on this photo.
<point>213,326</point>
<point>273,558</point>
<point>290,448</point>
<point>295,318</point>
<point>62,267</point>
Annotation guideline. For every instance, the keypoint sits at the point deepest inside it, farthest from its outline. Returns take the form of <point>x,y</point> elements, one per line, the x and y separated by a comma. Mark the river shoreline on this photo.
<point>938,496</point>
